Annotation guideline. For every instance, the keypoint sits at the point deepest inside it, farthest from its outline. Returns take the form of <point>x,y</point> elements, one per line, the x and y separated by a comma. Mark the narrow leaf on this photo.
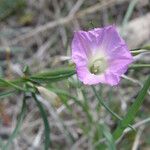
<point>109,137</point>
<point>6,93</point>
<point>132,110</point>
<point>45,121</point>
<point>18,125</point>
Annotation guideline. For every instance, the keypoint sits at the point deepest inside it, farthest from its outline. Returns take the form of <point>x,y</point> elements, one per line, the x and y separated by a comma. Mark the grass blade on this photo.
<point>108,136</point>
<point>132,110</point>
<point>45,121</point>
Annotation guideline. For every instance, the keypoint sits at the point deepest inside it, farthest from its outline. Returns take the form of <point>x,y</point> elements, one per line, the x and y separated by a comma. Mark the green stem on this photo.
<point>107,108</point>
<point>11,84</point>
<point>104,105</point>
<point>44,77</point>
<point>138,51</point>
<point>132,110</point>
<point>140,66</point>
<point>147,47</point>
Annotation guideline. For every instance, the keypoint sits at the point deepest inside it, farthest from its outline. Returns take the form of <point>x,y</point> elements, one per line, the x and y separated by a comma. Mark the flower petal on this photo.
<point>96,44</point>
<point>110,78</point>
<point>90,79</point>
<point>80,44</point>
<point>86,77</point>
<point>119,60</point>
<point>111,39</point>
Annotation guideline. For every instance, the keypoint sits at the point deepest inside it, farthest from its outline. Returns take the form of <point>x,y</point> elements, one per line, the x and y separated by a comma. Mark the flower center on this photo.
<point>98,64</point>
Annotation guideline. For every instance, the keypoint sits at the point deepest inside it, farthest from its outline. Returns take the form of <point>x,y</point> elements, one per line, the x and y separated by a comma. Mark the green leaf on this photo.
<point>11,84</point>
<point>6,93</point>
<point>55,72</point>
<point>5,84</point>
<point>132,110</point>
<point>134,66</point>
<point>44,77</point>
<point>107,108</point>
<point>45,121</point>
<point>18,125</point>
<point>53,75</point>
<point>146,47</point>
<point>136,52</point>
<point>108,136</point>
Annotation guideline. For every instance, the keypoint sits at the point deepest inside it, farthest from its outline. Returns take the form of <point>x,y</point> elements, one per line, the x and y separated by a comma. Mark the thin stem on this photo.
<point>140,66</point>
<point>138,51</point>
<point>104,105</point>
<point>10,83</point>
<point>147,47</point>
<point>107,108</point>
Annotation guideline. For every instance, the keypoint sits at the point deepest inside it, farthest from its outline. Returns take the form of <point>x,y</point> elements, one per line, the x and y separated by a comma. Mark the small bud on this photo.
<point>49,95</point>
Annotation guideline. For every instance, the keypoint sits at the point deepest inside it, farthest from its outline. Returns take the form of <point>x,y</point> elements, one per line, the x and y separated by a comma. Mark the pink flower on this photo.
<point>100,55</point>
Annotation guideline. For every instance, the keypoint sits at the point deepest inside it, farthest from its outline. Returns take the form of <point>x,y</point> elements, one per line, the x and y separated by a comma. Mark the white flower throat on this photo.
<point>98,64</point>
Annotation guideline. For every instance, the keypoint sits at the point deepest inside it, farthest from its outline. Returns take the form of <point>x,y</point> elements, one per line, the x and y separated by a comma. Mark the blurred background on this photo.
<point>38,33</point>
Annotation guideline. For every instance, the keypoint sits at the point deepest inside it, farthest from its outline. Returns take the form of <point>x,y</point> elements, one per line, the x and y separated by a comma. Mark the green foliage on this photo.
<point>28,84</point>
<point>109,138</point>
<point>48,76</point>
<point>53,75</point>
<point>132,110</point>
<point>140,66</point>
<point>45,121</point>
<point>18,125</point>
<point>6,93</point>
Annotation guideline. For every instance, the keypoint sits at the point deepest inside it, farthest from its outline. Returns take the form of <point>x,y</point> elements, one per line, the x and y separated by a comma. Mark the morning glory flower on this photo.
<point>100,55</point>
